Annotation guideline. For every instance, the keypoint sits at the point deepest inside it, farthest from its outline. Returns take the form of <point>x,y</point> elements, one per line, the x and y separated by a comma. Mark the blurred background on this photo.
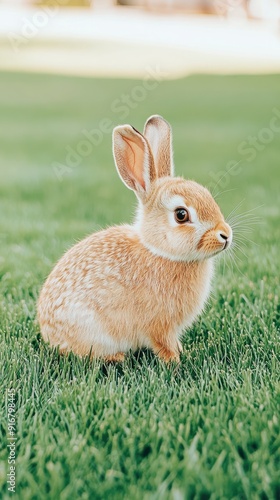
<point>122,37</point>
<point>71,70</point>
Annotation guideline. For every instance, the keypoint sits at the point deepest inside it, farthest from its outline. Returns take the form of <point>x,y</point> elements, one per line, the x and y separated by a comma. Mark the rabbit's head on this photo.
<point>177,219</point>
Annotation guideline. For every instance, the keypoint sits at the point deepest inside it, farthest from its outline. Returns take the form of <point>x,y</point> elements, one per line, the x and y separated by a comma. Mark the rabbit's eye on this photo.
<point>181,215</point>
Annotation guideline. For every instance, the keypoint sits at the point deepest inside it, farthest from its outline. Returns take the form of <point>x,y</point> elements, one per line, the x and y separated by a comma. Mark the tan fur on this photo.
<point>136,286</point>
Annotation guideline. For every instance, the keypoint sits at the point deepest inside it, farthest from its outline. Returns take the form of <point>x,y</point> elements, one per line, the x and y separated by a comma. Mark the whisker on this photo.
<point>245,220</point>
<point>244,225</point>
<point>234,251</point>
<point>240,250</point>
<point>233,258</point>
<point>242,234</point>
<point>245,215</point>
<point>235,208</point>
<point>229,264</point>
<point>239,242</point>
<point>226,173</point>
<point>223,192</point>
<point>242,238</point>
<point>243,229</point>
<point>247,212</point>
<point>224,263</point>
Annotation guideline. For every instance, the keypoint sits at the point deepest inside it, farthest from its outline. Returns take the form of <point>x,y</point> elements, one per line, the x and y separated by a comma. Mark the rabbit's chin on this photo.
<point>215,253</point>
<point>198,256</point>
<point>193,256</point>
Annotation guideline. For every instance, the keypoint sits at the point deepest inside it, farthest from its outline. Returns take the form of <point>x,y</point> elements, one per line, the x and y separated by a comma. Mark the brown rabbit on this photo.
<point>138,285</point>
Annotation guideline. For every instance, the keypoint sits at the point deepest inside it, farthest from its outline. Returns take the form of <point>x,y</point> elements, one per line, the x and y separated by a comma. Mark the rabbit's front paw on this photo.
<point>166,354</point>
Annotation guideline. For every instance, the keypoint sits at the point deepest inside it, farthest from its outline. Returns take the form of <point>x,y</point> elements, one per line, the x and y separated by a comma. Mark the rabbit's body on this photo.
<point>138,286</point>
<point>153,299</point>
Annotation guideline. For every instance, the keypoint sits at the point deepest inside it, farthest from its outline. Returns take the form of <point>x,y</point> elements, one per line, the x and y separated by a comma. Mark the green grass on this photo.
<point>206,429</point>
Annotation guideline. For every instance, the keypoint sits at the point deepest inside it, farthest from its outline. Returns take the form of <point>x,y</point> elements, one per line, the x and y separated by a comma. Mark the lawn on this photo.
<point>208,428</point>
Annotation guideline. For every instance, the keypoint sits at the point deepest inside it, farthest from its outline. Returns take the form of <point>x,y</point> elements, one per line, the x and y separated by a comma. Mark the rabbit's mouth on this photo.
<point>217,252</point>
<point>226,245</point>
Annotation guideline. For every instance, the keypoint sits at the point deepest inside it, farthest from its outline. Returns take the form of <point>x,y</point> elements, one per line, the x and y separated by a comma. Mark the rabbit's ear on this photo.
<point>159,135</point>
<point>133,159</point>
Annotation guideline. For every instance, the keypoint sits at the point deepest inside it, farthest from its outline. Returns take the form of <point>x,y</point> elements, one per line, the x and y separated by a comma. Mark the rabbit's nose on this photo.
<point>224,236</point>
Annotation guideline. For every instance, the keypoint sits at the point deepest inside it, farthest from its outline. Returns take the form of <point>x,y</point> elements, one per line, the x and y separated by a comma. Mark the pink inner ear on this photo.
<point>135,159</point>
